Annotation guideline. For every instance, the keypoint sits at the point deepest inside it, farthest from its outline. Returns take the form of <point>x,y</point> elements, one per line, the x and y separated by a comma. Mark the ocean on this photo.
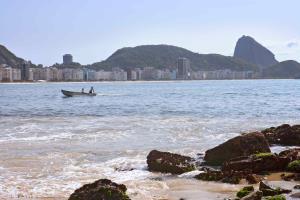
<point>50,145</point>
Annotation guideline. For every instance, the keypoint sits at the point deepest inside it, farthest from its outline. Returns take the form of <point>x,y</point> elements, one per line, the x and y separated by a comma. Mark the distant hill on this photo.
<point>165,56</point>
<point>7,57</point>
<point>285,69</point>
<point>251,51</point>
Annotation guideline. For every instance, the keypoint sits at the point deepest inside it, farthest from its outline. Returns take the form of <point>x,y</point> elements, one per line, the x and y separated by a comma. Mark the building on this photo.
<point>89,74</point>
<point>1,71</point>
<point>138,72</point>
<point>118,74</point>
<point>25,71</point>
<point>148,73</point>
<point>16,74</point>
<point>77,75</point>
<point>67,59</point>
<point>183,68</point>
<point>67,74</point>
<point>103,75</point>
<point>7,74</point>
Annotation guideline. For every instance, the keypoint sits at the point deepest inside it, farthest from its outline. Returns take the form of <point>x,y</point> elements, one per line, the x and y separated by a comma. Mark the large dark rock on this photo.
<point>102,189</point>
<point>166,162</point>
<point>269,191</point>
<point>251,51</point>
<point>257,163</point>
<point>243,145</point>
<point>283,135</point>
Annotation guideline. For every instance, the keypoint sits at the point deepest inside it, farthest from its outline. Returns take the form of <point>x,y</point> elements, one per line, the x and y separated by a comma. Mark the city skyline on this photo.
<point>93,30</point>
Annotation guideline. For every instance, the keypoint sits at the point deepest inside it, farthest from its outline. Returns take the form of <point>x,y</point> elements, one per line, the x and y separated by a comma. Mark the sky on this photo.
<point>91,30</point>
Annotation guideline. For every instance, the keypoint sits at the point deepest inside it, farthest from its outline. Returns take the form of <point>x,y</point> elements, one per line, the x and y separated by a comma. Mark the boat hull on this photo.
<point>72,94</point>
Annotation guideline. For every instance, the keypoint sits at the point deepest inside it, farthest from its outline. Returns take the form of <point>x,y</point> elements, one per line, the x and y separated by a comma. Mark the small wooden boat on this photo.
<point>71,94</point>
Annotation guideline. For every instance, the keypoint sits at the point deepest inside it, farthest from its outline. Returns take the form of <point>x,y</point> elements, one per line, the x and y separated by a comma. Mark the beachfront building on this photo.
<point>77,75</point>
<point>183,68</point>
<point>89,75</point>
<point>7,74</point>
<point>138,72</point>
<point>118,74</point>
<point>103,75</point>
<point>133,75</point>
<point>168,74</point>
<point>1,69</point>
<point>148,73</point>
<point>16,74</point>
<point>67,74</point>
<point>25,71</point>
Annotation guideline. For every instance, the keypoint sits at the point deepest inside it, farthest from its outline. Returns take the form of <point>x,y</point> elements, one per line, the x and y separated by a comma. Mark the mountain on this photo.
<point>251,51</point>
<point>7,57</point>
<point>165,56</point>
<point>285,69</point>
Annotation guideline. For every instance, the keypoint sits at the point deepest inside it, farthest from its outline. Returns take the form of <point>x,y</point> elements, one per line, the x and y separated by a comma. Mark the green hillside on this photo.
<point>285,69</point>
<point>162,56</point>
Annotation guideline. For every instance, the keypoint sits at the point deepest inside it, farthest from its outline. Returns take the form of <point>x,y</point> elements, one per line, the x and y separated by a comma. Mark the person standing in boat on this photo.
<point>82,90</point>
<point>91,90</point>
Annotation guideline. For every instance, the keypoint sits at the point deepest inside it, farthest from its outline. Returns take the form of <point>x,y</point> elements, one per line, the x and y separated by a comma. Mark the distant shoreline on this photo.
<point>138,81</point>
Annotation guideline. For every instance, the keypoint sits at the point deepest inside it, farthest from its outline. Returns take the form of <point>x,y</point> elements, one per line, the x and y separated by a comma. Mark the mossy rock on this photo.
<point>276,197</point>
<point>263,155</point>
<point>245,191</point>
<point>294,166</point>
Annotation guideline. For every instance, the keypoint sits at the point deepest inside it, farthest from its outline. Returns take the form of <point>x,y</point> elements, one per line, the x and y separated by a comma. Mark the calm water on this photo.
<point>50,145</point>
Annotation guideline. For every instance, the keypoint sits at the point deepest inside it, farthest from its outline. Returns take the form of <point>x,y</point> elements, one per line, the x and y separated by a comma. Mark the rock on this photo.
<point>245,191</point>
<point>297,187</point>
<point>103,189</point>
<point>295,195</point>
<point>294,166</point>
<point>231,177</point>
<point>166,162</point>
<point>269,191</point>
<point>276,197</point>
<point>289,177</point>
<point>253,178</point>
<point>251,51</point>
<point>243,145</point>
<point>210,175</point>
<point>257,163</point>
<point>293,154</point>
<point>283,135</point>
<point>256,195</point>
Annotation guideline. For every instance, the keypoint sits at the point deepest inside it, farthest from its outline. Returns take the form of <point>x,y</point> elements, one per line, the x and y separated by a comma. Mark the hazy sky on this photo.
<point>43,30</point>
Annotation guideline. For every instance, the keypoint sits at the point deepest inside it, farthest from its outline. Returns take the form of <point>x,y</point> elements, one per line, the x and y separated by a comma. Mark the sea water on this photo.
<point>50,145</point>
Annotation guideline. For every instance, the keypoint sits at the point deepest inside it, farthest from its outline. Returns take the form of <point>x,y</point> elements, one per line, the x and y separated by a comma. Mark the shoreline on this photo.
<point>139,81</point>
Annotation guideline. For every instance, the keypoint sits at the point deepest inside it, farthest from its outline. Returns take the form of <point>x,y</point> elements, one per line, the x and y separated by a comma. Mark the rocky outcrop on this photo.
<point>257,163</point>
<point>251,51</point>
<point>283,135</point>
<point>232,177</point>
<point>103,189</point>
<point>166,162</point>
<point>269,191</point>
<point>243,145</point>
